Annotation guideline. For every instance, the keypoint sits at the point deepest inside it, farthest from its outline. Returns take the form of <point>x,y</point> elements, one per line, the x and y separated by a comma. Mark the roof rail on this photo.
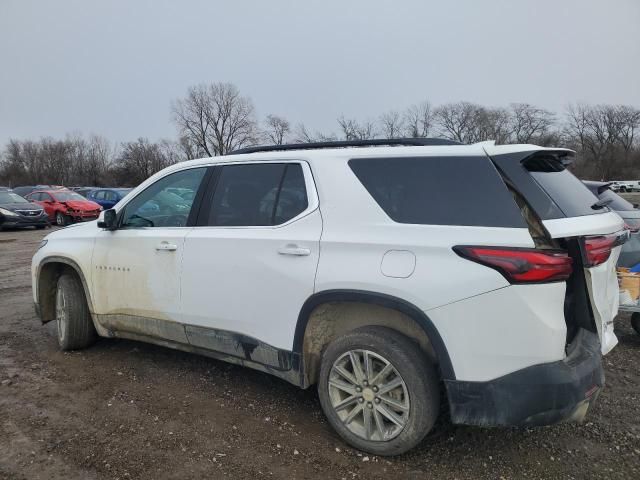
<point>415,142</point>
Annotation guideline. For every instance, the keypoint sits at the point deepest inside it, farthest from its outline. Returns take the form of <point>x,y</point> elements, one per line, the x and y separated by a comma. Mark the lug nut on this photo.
<point>370,405</point>
<point>360,400</point>
<point>365,383</point>
<point>358,389</point>
<point>377,400</point>
<point>375,389</point>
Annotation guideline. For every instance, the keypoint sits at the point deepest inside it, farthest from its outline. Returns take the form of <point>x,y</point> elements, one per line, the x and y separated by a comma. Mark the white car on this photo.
<point>391,276</point>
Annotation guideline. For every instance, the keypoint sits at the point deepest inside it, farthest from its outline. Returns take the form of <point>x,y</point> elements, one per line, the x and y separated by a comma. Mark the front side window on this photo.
<point>263,194</point>
<point>110,196</point>
<point>158,206</point>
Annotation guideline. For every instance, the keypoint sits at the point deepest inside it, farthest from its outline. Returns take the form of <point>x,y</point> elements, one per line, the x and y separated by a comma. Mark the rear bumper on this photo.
<point>538,395</point>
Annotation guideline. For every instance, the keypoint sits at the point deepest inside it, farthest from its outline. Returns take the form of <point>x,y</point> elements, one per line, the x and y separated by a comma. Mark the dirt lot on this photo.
<point>128,410</point>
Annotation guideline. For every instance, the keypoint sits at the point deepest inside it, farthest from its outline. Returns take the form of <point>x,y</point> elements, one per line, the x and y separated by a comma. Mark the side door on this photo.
<point>136,268</point>
<point>250,263</point>
<point>47,203</point>
<point>98,197</point>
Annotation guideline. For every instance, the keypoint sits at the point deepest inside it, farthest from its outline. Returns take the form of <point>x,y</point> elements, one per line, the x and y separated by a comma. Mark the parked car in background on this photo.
<point>15,211</point>
<point>65,206</point>
<point>365,271</point>
<point>630,253</point>
<point>26,190</point>
<point>624,185</point>
<point>107,197</point>
<point>84,191</point>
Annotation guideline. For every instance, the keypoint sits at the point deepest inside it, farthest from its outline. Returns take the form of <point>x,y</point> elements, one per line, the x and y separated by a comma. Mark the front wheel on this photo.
<point>62,220</point>
<point>378,390</point>
<point>75,327</point>
<point>635,322</point>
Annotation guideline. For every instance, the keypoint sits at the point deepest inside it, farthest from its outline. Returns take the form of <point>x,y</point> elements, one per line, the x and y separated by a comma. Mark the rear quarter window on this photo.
<point>465,191</point>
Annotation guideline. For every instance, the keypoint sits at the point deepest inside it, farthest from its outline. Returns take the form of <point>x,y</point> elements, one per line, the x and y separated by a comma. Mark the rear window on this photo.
<point>617,203</point>
<point>439,190</point>
<point>569,193</point>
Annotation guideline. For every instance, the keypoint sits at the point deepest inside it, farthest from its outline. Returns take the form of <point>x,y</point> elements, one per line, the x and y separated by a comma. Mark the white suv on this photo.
<point>394,277</point>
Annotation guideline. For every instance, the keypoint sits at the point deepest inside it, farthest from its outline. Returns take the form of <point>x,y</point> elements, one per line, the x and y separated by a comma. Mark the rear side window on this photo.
<point>258,195</point>
<point>569,193</point>
<point>439,191</point>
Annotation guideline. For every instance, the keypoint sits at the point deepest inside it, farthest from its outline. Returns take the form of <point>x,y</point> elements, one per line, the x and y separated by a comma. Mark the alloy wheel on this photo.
<point>369,395</point>
<point>61,313</point>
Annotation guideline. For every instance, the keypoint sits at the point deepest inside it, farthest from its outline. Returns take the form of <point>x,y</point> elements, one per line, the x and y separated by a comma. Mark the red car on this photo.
<point>65,206</point>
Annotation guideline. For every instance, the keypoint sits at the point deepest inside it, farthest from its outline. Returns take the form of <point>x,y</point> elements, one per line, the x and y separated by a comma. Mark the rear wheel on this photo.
<point>378,390</point>
<point>75,327</point>
<point>62,220</point>
<point>635,322</point>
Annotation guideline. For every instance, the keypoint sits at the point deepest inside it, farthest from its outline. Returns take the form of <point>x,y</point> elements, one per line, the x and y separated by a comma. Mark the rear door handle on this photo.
<point>295,250</point>
<point>166,246</point>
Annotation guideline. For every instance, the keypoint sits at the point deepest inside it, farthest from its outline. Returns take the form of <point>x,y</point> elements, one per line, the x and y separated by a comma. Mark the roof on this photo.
<point>342,153</point>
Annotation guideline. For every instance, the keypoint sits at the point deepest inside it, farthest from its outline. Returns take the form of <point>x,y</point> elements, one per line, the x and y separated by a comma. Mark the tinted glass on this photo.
<point>439,190</point>
<point>10,197</point>
<point>617,203</point>
<point>157,206</point>
<point>258,195</point>
<point>66,196</point>
<point>569,193</point>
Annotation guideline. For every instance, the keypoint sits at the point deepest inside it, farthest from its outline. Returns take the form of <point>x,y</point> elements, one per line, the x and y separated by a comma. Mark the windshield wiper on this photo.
<point>601,203</point>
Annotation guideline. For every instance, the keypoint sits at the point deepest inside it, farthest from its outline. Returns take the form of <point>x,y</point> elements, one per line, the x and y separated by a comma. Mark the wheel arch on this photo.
<point>424,324</point>
<point>48,272</point>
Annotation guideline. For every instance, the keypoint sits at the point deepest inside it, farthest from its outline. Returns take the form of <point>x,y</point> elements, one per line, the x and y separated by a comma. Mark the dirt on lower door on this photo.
<point>126,410</point>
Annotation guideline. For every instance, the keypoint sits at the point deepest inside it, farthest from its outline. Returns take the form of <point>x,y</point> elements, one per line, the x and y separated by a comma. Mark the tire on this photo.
<point>40,227</point>
<point>418,394</point>
<point>635,322</point>
<point>62,220</point>
<point>75,327</point>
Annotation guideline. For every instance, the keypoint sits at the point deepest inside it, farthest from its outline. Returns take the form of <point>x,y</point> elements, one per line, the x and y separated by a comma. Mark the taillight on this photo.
<point>596,249</point>
<point>521,265</point>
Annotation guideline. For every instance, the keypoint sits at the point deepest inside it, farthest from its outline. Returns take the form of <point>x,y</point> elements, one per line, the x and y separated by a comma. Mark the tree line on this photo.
<point>215,119</point>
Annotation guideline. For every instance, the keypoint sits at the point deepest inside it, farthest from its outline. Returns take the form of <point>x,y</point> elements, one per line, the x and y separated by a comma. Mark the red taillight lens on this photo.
<point>521,265</point>
<point>597,249</point>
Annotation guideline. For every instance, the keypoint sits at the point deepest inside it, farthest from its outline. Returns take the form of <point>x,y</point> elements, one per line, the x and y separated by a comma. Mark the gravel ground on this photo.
<point>125,410</point>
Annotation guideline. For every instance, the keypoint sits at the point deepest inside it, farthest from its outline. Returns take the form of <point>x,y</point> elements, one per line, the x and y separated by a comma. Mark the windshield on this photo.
<point>10,197</point>
<point>66,196</point>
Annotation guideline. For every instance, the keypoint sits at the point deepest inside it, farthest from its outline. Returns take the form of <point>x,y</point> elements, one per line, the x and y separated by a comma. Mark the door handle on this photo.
<point>166,246</point>
<point>295,250</point>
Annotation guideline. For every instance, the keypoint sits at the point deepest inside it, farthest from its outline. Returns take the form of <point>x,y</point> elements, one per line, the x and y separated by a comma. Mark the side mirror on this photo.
<point>108,219</point>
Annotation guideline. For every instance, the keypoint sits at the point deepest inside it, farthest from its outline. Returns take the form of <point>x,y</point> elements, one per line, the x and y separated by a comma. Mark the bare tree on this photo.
<point>457,121</point>
<point>303,135</point>
<point>392,124</point>
<point>530,124</point>
<point>353,130</point>
<point>418,120</point>
<point>604,136</point>
<point>276,129</point>
<point>140,159</point>
<point>216,118</point>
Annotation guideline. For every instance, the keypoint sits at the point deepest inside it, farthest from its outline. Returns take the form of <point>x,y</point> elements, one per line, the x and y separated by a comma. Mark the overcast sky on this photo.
<point>113,67</point>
